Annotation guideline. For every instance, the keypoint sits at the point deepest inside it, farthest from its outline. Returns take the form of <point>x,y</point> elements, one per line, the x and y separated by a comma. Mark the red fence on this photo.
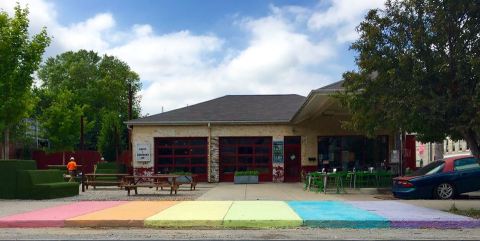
<point>85,158</point>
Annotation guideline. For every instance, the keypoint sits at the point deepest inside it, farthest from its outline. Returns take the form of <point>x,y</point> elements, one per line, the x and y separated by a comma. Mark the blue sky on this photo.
<point>187,51</point>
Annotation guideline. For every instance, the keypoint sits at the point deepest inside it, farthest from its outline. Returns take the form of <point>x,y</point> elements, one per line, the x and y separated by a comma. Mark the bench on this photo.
<point>156,181</point>
<point>188,180</point>
<point>104,179</point>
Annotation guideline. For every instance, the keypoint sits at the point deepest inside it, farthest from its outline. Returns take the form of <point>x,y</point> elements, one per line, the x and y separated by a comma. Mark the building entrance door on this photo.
<point>292,157</point>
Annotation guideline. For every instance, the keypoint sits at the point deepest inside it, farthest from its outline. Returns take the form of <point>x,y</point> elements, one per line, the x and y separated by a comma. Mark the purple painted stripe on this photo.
<point>402,215</point>
<point>436,224</point>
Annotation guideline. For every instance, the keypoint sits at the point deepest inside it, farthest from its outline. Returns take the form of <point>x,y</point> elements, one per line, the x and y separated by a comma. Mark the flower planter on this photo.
<point>245,179</point>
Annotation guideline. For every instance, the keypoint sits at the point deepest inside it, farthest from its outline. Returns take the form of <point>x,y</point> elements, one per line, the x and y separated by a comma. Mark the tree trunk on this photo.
<point>472,141</point>
<point>6,144</point>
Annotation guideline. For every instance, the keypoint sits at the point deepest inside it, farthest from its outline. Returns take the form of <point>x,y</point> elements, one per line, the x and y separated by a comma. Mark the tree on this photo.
<point>110,136</point>
<point>61,122</point>
<point>20,56</point>
<point>100,84</point>
<point>418,71</point>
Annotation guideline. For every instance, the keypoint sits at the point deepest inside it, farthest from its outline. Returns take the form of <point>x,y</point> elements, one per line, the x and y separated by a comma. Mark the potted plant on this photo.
<point>246,177</point>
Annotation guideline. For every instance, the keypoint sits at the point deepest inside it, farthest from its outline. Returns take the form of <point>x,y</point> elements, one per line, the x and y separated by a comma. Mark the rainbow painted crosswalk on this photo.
<point>238,214</point>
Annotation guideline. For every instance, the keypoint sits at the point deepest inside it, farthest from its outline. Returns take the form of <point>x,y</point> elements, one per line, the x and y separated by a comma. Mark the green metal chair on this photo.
<point>316,181</point>
<point>366,179</point>
<point>335,181</point>
<point>384,178</point>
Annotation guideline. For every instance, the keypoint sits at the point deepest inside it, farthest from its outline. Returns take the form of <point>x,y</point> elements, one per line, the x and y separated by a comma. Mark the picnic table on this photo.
<point>103,179</point>
<point>157,181</point>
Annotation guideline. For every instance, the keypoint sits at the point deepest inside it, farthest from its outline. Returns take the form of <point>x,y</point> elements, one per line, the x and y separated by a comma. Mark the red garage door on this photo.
<point>182,154</point>
<point>245,153</point>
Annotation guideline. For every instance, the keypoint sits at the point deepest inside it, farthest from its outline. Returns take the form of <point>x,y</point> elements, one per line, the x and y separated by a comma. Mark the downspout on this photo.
<point>209,152</point>
<point>130,148</point>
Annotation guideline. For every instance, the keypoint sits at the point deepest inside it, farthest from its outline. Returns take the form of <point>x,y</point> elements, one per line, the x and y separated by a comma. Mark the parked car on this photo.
<point>442,179</point>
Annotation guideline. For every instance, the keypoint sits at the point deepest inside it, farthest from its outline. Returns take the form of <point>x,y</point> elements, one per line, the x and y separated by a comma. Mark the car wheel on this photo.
<point>445,191</point>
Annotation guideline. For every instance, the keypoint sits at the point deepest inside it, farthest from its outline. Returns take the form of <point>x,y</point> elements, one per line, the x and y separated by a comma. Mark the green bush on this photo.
<point>119,168</point>
<point>107,165</point>
<point>246,173</point>
<point>8,175</point>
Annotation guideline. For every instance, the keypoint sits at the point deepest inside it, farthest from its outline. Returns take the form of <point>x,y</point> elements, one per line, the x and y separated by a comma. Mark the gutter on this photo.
<point>147,123</point>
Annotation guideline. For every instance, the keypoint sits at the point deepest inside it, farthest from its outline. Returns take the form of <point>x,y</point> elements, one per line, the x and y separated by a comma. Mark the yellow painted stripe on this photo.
<point>191,214</point>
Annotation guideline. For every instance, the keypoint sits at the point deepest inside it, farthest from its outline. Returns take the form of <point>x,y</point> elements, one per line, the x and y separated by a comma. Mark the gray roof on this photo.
<point>337,86</point>
<point>232,109</point>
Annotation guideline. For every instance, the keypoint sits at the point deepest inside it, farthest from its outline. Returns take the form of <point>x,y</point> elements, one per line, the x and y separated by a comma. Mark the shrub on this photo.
<point>246,173</point>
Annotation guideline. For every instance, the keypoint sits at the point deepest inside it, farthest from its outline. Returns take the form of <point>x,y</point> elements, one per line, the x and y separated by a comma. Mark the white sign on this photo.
<point>395,158</point>
<point>143,153</point>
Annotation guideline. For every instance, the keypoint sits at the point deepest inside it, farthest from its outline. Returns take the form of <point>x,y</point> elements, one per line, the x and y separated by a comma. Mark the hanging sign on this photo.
<point>143,153</point>
<point>278,152</point>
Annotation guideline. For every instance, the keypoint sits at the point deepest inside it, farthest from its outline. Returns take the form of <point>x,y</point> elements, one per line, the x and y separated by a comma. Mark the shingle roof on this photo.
<point>231,109</point>
<point>332,87</point>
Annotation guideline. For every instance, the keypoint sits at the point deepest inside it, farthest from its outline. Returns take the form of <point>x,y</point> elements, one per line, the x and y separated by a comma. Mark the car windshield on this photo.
<point>432,168</point>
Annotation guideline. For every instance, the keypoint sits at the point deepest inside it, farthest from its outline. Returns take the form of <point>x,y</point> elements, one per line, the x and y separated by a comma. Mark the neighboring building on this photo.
<point>428,152</point>
<point>278,135</point>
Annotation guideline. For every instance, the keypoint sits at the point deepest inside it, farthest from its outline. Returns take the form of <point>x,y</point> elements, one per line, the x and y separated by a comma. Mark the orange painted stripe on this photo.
<point>131,214</point>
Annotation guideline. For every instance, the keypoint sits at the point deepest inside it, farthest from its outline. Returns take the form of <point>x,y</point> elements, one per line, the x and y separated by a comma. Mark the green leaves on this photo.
<point>20,56</point>
<point>426,54</point>
<point>97,84</point>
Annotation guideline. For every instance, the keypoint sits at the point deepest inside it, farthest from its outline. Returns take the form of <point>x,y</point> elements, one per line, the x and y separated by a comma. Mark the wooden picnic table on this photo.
<point>91,179</point>
<point>158,180</point>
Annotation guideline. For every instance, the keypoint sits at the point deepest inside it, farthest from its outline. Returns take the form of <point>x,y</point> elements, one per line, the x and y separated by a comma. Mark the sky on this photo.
<point>189,51</point>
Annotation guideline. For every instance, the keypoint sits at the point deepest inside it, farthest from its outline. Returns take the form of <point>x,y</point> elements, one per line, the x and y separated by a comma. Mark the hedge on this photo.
<point>246,173</point>
<point>44,184</point>
<point>8,175</point>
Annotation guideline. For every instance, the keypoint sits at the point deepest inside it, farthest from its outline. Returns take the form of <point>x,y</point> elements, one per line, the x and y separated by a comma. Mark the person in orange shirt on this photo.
<point>72,168</point>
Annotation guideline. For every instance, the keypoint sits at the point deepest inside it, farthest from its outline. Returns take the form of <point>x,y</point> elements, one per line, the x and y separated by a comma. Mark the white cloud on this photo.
<point>344,16</point>
<point>284,52</point>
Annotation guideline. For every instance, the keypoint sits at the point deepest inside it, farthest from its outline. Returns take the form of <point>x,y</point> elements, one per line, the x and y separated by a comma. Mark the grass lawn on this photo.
<point>473,213</point>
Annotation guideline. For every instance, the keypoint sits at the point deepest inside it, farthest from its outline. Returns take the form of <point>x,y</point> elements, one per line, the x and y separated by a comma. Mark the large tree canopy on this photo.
<point>418,71</point>
<point>96,85</point>
<point>20,56</point>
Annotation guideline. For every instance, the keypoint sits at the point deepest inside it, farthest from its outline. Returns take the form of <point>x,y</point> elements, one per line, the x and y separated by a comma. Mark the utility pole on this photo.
<point>81,133</point>
<point>130,103</point>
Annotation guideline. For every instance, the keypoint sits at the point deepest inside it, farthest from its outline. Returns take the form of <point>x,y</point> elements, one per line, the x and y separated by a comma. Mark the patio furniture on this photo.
<point>316,180</point>
<point>337,179</point>
<point>365,179</point>
<point>384,178</point>
<point>161,180</point>
<point>44,184</point>
<point>103,179</point>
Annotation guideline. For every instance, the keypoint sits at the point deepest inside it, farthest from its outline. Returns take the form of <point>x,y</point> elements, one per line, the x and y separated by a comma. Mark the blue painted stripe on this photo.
<point>333,214</point>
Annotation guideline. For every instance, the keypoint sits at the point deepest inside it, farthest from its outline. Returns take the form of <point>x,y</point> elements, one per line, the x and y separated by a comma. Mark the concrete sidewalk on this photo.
<point>238,214</point>
<point>277,192</point>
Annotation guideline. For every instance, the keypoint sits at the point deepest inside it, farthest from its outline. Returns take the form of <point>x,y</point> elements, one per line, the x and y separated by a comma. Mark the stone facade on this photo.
<point>309,131</point>
<point>214,164</point>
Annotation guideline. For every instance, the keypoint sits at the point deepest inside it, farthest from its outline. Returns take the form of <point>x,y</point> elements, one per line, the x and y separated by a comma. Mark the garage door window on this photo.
<point>181,155</point>
<point>245,153</point>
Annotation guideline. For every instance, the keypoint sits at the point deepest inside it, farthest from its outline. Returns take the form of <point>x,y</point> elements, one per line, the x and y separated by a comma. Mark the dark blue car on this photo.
<point>442,179</point>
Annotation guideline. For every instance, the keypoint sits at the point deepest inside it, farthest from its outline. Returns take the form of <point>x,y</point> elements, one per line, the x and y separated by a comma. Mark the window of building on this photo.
<point>189,154</point>
<point>348,152</point>
<point>245,154</point>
